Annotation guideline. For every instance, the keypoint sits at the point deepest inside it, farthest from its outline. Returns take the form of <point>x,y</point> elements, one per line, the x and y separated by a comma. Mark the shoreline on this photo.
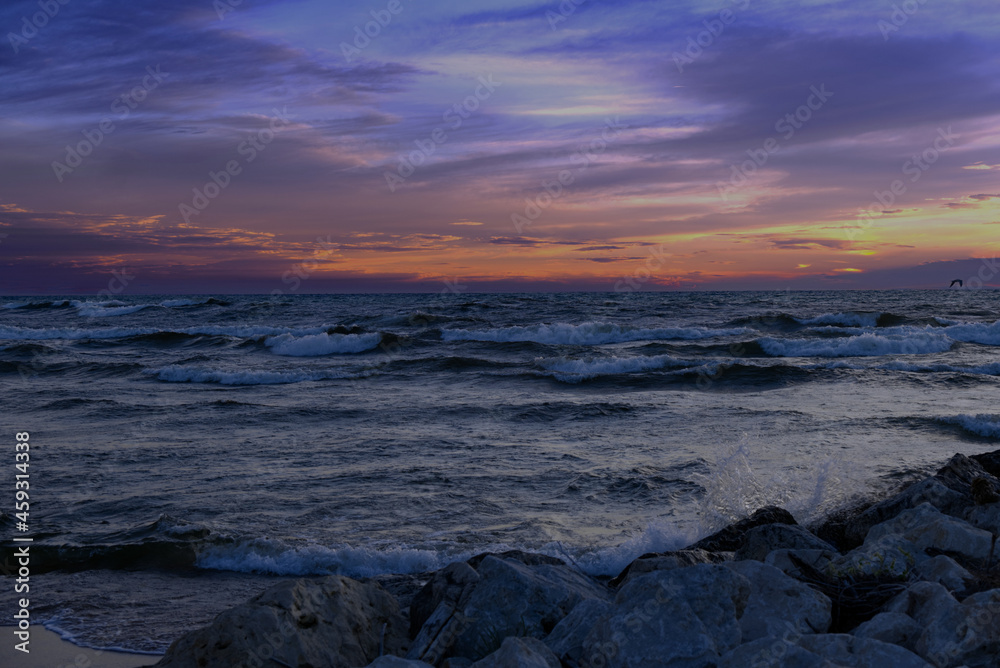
<point>50,650</point>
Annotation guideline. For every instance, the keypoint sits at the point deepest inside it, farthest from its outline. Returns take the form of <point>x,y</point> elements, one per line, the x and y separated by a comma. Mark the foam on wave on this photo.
<point>577,370</point>
<point>862,345</point>
<point>314,345</point>
<point>981,424</point>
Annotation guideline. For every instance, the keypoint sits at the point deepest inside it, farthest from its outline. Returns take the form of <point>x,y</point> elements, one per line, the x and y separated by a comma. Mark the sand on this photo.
<point>48,650</point>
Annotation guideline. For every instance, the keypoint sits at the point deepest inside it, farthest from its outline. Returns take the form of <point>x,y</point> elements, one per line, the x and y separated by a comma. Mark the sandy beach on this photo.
<point>48,650</point>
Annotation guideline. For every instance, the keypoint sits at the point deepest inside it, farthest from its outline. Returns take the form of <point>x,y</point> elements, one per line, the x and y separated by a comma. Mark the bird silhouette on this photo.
<point>957,280</point>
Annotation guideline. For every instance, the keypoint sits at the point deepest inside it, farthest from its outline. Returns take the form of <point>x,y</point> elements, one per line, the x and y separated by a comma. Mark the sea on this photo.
<point>189,451</point>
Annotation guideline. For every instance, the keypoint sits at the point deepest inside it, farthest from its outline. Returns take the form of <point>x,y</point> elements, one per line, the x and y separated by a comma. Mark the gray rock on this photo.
<point>894,628</point>
<point>509,599</point>
<point>967,634</point>
<point>761,541</point>
<point>985,517</point>
<point>929,490</point>
<point>389,661</point>
<point>520,653</point>
<point>666,561</point>
<point>566,639</point>
<point>772,653</point>
<point>847,650</point>
<point>923,601</point>
<point>783,560</point>
<point>334,622</point>
<point>730,538</point>
<point>946,571</point>
<point>446,584</point>
<point>926,527</point>
<point>779,603</point>
<point>679,618</point>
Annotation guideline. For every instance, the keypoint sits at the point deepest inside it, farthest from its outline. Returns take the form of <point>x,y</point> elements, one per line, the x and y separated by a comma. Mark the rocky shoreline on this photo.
<point>911,580</point>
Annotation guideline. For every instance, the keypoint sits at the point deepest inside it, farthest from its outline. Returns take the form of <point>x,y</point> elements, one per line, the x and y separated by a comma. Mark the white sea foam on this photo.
<point>988,334</point>
<point>185,374</point>
<point>577,370</point>
<point>107,309</point>
<point>586,334</point>
<point>313,345</point>
<point>862,345</point>
<point>849,319</point>
<point>982,424</point>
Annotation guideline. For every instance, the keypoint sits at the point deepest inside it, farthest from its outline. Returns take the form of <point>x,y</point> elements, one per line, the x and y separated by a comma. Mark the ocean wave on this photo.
<point>182,374</point>
<point>981,425</point>
<point>107,309</point>
<point>987,334</point>
<point>848,319</point>
<point>10,332</point>
<point>585,334</point>
<point>577,370</point>
<point>314,345</point>
<point>61,303</point>
<point>275,557</point>
<point>862,345</point>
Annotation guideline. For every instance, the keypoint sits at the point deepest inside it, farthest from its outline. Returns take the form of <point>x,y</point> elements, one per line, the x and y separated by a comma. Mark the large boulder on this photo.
<point>762,540</point>
<point>446,584</point>
<point>506,598</point>
<point>945,570</point>
<point>520,653</point>
<point>967,634</point>
<point>333,622</point>
<point>390,661</point>
<point>779,603</point>
<point>894,628</point>
<point>665,561</point>
<point>567,638</point>
<point>848,650</point>
<point>679,618</point>
<point>730,538</point>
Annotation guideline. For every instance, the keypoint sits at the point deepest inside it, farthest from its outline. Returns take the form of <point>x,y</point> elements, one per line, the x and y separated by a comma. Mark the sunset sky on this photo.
<point>701,145</point>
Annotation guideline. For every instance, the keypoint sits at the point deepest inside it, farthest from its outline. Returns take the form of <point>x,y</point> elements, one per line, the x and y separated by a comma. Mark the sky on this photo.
<point>226,146</point>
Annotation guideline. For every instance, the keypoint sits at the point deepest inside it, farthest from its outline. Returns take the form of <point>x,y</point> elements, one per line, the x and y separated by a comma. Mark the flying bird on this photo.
<point>957,280</point>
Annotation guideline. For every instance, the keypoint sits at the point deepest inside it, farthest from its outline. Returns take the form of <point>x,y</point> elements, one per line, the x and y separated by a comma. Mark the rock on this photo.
<point>983,491</point>
<point>923,601</point>
<point>846,650</point>
<point>526,558</point>
<point>520,653</point>
<point>965,634</point>
<point>683,617</point>
<point>985,517</point>
<point>959,473</point>
<point>446,584</point>
<point>390,661</point>
<point>665,561</point>
<point>929,490</point>
<point>990,461</point>
<point>566,639</point>
<point>730,539</point>
<point>894,628</point>
<point>762,540</point>
<point>509,598</point>
<point>779,603</point>
<point>772,653</point>
<point>926,528</point>
<point>456,662</point>
<point>784,560</point>
<point>946,571</point>
<point>332,621</point>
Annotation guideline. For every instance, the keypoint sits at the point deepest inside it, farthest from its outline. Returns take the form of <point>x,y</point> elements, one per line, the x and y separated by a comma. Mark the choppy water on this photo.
<point>188,449</point>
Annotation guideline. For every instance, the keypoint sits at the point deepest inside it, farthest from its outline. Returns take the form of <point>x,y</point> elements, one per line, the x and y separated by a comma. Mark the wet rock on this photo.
<point>390,661</point>
<point>566,639</point>
<point>335,622</point>
<point>787,561</point>
<point>730,539</point>
<point>847,650</point>
<point>927,528</point>
<point>946,571</point>
<point>762,540</point>
<point>446,584</point>
<point>665,561</point>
